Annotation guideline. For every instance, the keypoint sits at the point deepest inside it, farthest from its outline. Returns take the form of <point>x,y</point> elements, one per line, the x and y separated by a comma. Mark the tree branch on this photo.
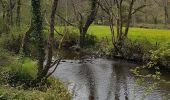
<point>54,28</point>
<point>57,62</point>
<point>139,8</point>
<point>65,20</point>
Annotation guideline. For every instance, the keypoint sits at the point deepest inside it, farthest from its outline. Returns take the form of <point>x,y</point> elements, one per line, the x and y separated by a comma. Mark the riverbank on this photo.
<point>16,72</point>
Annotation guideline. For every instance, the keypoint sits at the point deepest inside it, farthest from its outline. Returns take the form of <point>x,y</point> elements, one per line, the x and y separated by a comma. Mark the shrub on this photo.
<point>90,40</point>
<point>20,71</point>
<point>11,42</point>
<point>159,57</point>
<point>71,38</point>
<point>55,92</point>
<point>136,49</point>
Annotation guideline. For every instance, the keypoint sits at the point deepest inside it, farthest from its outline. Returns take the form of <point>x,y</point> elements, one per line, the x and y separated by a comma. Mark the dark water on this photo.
<point>103,79</point>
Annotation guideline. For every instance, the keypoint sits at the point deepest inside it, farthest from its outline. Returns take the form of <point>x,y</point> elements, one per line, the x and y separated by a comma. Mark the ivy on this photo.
<point>38,27</point>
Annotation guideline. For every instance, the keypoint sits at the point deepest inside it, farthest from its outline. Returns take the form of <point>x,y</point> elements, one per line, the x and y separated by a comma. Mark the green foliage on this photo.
<point>12,41</point>
<point>159,57</point>
<point>71,37</point>
<point>156,59</point>
<point>18,71</point>
<point>104,48</point>
<point>55,92</point>
<point>4,55</point>
<point>136,49</point>
<point>90,40</point>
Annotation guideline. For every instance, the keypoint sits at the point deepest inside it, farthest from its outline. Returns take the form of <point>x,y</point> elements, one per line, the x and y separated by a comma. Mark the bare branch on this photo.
<point>62,18</point>
<point>57,62</point>
<point>139,8</point>
<point>54,28</point>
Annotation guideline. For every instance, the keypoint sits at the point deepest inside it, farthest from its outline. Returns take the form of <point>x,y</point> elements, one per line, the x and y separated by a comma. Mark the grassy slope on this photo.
<point>9,62</point>
<point>152,35</point>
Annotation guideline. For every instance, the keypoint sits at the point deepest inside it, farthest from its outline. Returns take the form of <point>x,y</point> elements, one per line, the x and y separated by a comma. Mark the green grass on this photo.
<point>152,35</point>
<point>56,92</point>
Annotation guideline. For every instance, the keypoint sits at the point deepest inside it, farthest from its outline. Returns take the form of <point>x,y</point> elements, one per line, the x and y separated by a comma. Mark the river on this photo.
<point>103,79</point>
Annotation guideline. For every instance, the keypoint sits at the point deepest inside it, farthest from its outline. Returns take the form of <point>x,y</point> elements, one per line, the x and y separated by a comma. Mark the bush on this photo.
<point>55,92</point>
<point>11,42</point>
<point>90,40</point>
<point>135,50</point>
<point>71,38</point>
<point>20,71</point>
<point>159,57</point>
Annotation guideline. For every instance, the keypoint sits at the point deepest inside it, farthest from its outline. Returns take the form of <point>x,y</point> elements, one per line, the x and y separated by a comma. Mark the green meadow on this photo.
<point>154,36</point>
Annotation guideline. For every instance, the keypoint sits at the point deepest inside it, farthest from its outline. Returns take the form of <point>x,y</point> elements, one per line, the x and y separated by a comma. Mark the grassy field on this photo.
<point>152,35</point>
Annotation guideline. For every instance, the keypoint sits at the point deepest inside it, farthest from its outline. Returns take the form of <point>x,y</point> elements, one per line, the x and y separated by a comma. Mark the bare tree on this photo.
<point>121,17</point>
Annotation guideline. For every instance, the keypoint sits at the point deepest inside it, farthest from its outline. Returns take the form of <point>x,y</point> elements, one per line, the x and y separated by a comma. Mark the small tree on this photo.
<point>119,14</point>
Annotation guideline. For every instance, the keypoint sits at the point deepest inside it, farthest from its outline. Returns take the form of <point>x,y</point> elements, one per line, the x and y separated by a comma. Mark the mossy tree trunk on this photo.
<point>50,64</point>
<point>43,69</point>
<point>38,26</point>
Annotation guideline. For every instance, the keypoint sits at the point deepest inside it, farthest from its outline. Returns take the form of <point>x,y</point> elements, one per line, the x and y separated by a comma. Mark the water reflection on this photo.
<point>103,79</point>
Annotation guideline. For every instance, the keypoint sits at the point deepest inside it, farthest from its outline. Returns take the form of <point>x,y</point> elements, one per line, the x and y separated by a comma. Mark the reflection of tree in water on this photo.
<point>87,73</point>
<point>117,82</point>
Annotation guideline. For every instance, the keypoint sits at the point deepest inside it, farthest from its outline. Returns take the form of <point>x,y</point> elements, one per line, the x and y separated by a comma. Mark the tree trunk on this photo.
<point>44,72</point>
<point>146,15</point>
<point>82,37</point>
<point>37,24</point>
<point>3,16</point>
<point>25,42</point>
<point>18,14</point>
<point>166,11</point>
<point>10,11</point>
<point>129,18</point>
<point>90,19</point>
<point>7,23</point>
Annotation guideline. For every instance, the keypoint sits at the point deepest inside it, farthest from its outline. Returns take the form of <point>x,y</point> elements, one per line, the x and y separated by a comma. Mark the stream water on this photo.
<point>103,79</point>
